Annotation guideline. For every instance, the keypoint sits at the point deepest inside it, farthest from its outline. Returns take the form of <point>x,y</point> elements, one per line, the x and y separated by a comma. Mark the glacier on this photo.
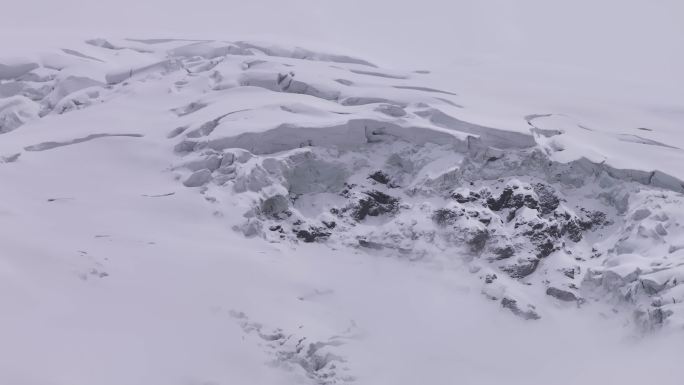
<point>212,212</point>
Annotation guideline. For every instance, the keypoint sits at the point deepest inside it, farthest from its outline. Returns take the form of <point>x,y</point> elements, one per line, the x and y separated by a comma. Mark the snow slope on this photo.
<point>209,212</point>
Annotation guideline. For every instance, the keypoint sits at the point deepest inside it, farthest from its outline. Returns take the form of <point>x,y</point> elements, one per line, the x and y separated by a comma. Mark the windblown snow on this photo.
<point>209,212</point>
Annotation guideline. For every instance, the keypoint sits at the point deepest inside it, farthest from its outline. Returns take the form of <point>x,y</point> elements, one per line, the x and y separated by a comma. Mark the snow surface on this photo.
<point>175,270</point>
<point>140,178</point>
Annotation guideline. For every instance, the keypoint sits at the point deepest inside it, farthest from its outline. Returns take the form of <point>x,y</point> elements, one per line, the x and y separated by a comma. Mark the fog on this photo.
<point>417,323</point>
<point>635,37</point>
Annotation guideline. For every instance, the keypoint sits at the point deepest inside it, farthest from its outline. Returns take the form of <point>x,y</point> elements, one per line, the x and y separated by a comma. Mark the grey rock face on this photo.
<point>560,294</point>
<point>275,206</point>
<point>512,305</point>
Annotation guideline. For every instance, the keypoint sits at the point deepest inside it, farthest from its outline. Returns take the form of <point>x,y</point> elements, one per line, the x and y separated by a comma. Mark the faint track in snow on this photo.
<point>50,145</point>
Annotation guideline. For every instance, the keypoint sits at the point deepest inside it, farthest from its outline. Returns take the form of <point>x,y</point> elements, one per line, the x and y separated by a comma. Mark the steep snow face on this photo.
<point>188,148</point>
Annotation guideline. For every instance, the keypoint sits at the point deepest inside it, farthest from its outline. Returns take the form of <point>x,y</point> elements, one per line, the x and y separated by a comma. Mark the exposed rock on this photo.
<point>560,294</point>
<point>512,305</point>
<point>275,206</point>
<point>548,201</point>
<point>504,252</point>
<point>380,177</point>
<point>512,199</point>
<point>477,240</point>
<point>370,245</point>
<point>375,203</point>
<point>522,268</point>
<point>312,234</point>
<point>444,217</point>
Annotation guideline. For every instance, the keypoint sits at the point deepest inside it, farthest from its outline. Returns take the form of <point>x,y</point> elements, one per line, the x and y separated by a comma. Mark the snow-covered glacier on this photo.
<point>213,212</point>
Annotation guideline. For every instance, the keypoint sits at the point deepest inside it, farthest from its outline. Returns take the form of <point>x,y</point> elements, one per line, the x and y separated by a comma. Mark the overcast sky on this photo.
<point>631,35</point>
